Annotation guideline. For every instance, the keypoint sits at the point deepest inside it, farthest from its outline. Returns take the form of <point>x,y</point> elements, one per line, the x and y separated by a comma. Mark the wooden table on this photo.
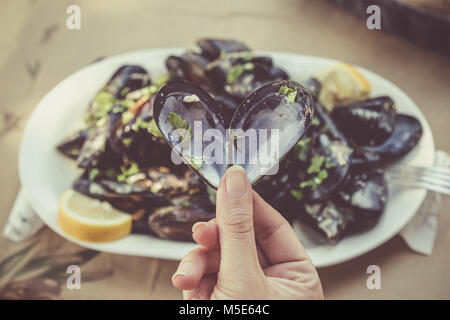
<point>38,51</point>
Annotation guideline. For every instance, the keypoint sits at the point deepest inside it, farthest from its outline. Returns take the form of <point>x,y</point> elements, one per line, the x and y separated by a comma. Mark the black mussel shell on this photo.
<point>126,79</point>
<point>213,49</point>
<point>366,123</point>
<point>96,146</point>
<point>277,123</point>
<point>365,196</point>
<point>176,220</point>
<point>190,66</point>
<point>191,108</point>
<point>228,105</point>
<point>137,143</point>
<point>327,219</point>
<point>363,160</point>
<point>71,146</point>
<point>406,135</point>
<point>336,155</point>
<point>123,196</point>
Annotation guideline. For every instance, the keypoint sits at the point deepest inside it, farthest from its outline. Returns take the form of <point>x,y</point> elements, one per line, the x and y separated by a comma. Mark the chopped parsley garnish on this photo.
<point>316,163</point>
<point>196,162</point>
<point>290,93</point>
<point>318,166</point>
<point>178,123</point>
<point>302,149</point>
<point>237,70</point>
<point>297,194</point>
<point>127,142</point>
<point>93,173</point>
<point>315,121</point>
<point>153,129</point>
<point>126,172</point>
<point>127,117</point>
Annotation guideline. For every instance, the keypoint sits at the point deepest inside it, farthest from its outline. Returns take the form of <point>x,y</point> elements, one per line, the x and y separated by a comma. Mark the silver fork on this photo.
<point>434,178</point>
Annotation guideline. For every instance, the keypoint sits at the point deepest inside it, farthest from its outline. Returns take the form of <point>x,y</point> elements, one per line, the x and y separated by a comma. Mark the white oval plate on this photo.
<point>45,174</point>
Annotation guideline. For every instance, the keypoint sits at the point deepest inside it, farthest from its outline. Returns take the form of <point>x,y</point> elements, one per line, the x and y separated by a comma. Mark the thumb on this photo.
<point>234,212</point>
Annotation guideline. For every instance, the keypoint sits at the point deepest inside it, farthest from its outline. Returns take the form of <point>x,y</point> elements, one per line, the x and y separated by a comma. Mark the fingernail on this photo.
<point>236,181</point>
<point>184,269</point>
<point>198,225</point>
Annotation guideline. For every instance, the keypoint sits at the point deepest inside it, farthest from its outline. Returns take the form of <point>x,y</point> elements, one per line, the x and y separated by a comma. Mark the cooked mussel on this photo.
<point>190,66</point>
<point>138,139</point>
<point>71,146</point>
<point>407,133</point>
<point>262,131</point>
<point>175,221</point>
<point>96,146</point>
<point>239,74</point>
<point>124,196</point>
<point>126,79</point>
<point>366,123</point>
<point>324,217</point>
<point>328,165</point>
<point>213,49</point>
<point>365,196</point>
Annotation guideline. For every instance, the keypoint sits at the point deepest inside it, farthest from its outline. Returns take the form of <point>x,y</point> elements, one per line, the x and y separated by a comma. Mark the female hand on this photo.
<point>248,252</point>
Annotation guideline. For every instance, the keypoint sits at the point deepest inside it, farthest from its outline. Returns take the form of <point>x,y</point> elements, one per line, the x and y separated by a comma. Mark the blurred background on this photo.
<point>38,51</point>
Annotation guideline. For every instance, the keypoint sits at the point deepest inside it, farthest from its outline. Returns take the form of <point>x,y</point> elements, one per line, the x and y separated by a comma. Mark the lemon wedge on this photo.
<point>342,83</point>
<point>90,219</point>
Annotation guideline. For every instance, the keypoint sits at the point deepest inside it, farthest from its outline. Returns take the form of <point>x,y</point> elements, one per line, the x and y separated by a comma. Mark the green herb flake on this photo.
<point>127,117</point>
<point>187,203</point>
<point>290,93</point>
<point>315,121</point>
<point>196,162</point>
<point>126,172</point>
<point>123,92</point>
<point>297,194</point>
<point>316,164</point>
<point>178,123</point>
<point>153,129</point>
<point>237,71</point>
<point>127,142</point>
<point>93,173</point>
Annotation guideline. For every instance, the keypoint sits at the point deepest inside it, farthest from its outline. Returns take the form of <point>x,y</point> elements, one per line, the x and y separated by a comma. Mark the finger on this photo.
<point>194,266</point>
<point>234,213</point>
<point>204,289</point>
<point>275,235</point>
<point>206,234</point>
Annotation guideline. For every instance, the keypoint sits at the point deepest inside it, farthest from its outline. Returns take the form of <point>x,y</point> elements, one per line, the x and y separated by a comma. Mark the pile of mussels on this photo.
<point>332,180</point>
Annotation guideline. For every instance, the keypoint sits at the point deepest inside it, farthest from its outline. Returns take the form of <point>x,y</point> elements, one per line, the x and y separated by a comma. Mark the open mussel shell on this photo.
<point>365,196</point>
<point>264,128</point>
<point>366,123</point>
<point>192,121</point>
<point>267,125</point>
<point>407,133</point>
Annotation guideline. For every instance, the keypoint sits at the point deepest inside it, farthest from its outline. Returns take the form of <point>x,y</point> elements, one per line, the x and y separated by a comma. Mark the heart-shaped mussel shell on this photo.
<point>264,128</point>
